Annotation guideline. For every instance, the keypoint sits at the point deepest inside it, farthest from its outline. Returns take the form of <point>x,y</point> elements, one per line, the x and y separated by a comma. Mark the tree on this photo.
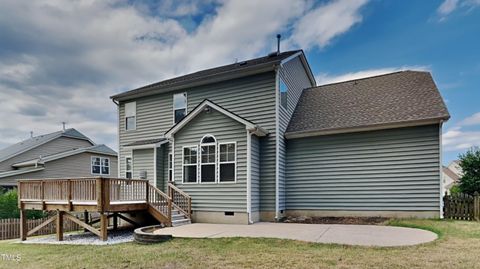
<point>9,206</point>
<point>470,164</point>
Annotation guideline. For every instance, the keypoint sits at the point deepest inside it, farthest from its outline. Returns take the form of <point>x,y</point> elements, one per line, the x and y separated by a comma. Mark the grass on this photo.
<point>457,247</point>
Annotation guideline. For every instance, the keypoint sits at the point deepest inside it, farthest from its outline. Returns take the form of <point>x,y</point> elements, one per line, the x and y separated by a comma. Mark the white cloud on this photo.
<point>449,6</point>
<point>61,62</point>
<point>325,78</point>
<point>456,138</point>
<point>319,26</point>
<point>471,120</point>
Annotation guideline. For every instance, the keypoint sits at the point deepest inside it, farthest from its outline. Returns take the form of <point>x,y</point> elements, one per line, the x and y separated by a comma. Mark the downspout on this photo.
<point>440,168</point>
<point>118,138</point>
<point>249,176</point>
<point>277,146</point>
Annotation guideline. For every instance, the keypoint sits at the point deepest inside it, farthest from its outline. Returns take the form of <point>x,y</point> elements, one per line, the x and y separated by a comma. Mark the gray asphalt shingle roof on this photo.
<point>212,72</point>
<point>36,141</point>
<point>400,97</point>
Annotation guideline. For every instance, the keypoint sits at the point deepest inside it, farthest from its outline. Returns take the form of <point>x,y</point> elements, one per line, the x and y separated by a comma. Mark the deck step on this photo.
<point>180,222</point>
<point>178,217</point>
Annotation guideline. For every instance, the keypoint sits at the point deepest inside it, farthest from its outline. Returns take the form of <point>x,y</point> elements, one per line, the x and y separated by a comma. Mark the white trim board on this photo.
<point>206,103</point>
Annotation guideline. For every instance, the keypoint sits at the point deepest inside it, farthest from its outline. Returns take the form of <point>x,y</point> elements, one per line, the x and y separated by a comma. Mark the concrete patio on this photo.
<point>362,235</point>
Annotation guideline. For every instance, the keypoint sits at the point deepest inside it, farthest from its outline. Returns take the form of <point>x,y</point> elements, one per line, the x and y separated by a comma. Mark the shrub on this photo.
<point>9,206</point>
<point>470,164</point>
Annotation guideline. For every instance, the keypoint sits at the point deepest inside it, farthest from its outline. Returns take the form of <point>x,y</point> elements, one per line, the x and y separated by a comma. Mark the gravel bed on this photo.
<point>81,238</point>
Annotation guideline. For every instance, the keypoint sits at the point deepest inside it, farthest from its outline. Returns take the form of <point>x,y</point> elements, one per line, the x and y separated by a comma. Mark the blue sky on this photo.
<point>60,61</point>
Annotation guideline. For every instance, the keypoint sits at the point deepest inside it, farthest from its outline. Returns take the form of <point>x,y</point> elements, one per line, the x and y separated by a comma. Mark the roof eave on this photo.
<point>197,82</point>
<point>374,127</point>
<point>146,146</point>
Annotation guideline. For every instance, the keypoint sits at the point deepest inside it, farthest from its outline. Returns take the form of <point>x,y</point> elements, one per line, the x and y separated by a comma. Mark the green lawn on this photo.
<point>458,247</point>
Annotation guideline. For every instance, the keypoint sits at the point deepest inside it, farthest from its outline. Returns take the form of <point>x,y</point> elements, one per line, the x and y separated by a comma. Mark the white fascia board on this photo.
<point>19,172</point>
<point>147,146</point>
<point>199,109</point>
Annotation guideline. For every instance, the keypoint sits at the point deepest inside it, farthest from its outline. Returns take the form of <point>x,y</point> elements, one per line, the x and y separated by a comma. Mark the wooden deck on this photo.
<point>107,196</point>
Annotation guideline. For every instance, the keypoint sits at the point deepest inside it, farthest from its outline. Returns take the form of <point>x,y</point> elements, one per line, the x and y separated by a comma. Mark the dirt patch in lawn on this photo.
<point>338,220</point>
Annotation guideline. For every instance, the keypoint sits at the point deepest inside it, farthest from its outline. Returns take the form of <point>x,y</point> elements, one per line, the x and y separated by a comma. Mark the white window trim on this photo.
<point>125,117</point>
<point>131,171</point>
<point>183,164</point>
<point>214,163</point>
<point>170,169</point>
<point>234,162</point>
<point>100,174</point>
<point>173,105</point>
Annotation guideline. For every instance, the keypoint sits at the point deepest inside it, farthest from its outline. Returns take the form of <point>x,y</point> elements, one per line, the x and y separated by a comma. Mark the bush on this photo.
<point>470,164</point>
<point>9,206</point>
<point>455,189</point>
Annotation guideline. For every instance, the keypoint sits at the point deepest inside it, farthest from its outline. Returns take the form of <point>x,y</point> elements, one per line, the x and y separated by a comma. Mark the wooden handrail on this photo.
<point>180,200</point>
<point>178,190</point>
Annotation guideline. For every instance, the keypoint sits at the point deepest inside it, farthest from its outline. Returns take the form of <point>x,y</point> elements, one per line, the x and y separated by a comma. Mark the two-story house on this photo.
<point>63,154</point>
<point>258,140</point>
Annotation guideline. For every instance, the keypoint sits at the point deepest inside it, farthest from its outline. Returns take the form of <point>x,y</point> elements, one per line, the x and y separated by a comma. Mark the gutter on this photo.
<point>381,126</point>
<point>156,89</point>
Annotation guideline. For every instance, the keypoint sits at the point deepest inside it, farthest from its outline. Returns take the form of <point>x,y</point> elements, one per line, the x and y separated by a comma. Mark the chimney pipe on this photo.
<point>278,43</point>
<point>63,124</point>
<point>31,134</point>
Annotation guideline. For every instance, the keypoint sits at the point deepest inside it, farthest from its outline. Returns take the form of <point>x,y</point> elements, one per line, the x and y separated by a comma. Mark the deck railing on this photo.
<point>100,191</point>
<point>180,200</point>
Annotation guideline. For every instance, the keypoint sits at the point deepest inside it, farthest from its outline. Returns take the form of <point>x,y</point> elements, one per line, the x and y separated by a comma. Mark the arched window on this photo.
<point>208,150</point>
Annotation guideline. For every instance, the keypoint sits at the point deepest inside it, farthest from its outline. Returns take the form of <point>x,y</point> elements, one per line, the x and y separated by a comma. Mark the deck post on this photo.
<point>100,193</point>
<point>59,226</point>
<point>115,221</point>
<point>85,219</point>
<point>103,226</point>
<point>23,224</point>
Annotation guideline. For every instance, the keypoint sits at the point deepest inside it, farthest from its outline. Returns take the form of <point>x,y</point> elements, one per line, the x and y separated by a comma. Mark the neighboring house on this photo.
<point>61,154</point>
<point>258,140</point>
<point>451,175</point>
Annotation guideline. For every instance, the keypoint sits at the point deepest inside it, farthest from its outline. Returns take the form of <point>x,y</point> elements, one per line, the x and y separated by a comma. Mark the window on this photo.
<point>100,166</point>
<point>207,161</point>
<point>190,164</point>
<point>179,106</point>
<point>130,116</point>
<point>283,94</point>
<point>128,167</point>
<point>227,162</point>
<point>170,167</point>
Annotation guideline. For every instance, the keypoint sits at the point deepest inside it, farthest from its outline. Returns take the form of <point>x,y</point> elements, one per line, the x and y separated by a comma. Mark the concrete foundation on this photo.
<point>220,217</point>
<point>386,214</point>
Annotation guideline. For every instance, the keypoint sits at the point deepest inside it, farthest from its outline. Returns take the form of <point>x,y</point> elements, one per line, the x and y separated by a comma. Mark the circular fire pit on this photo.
<point>146,235</point>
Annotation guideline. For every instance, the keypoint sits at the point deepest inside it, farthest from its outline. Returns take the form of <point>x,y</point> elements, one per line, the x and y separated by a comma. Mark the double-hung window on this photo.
<point>227,162</point>
<point>130,116</point>
<point>128,167</point>
<point>179,106</point>
<point>190,164</point>
<point>100,166</point>
<point>208,159</point>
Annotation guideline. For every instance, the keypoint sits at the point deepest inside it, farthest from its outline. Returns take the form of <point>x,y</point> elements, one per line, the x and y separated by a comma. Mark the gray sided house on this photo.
<point>258,140</point>
<point>61,154</point>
